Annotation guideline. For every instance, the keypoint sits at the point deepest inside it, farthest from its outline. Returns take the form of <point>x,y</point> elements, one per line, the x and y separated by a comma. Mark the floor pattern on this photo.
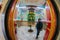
<point>23,34</point>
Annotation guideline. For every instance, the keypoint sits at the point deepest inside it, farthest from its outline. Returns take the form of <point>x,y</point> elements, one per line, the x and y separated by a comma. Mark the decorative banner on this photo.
<point>30,2</point>
<point>31,17</point>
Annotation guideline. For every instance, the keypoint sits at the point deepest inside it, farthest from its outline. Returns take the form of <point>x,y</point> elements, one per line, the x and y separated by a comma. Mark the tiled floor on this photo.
<point>23,34</point>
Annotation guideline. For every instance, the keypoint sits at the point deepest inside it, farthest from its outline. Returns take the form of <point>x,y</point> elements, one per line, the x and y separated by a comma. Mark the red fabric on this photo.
<point>0,7</point>
<point>15,24</point>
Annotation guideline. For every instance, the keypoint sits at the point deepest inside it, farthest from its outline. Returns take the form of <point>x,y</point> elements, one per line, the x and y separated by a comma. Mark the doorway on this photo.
<point>50,20</point>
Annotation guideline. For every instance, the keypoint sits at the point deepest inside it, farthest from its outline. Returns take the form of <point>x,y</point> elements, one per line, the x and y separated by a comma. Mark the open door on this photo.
<point>51,21</point>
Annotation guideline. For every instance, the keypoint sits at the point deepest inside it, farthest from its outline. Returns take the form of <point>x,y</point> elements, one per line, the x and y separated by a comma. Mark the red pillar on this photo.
<point>48,24</point>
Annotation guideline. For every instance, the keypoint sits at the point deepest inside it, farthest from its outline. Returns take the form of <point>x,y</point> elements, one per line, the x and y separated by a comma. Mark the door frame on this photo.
<point>9,11</point>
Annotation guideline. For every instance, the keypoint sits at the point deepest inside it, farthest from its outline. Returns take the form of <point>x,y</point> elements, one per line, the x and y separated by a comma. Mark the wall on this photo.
<point>58,4</point>
<point>1,20</point>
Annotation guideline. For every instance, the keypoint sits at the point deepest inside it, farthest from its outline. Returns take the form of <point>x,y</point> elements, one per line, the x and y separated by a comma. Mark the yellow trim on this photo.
<point>11,27</point>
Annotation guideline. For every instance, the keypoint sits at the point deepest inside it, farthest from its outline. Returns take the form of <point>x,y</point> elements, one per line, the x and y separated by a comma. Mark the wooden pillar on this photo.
<point>11,27</point>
